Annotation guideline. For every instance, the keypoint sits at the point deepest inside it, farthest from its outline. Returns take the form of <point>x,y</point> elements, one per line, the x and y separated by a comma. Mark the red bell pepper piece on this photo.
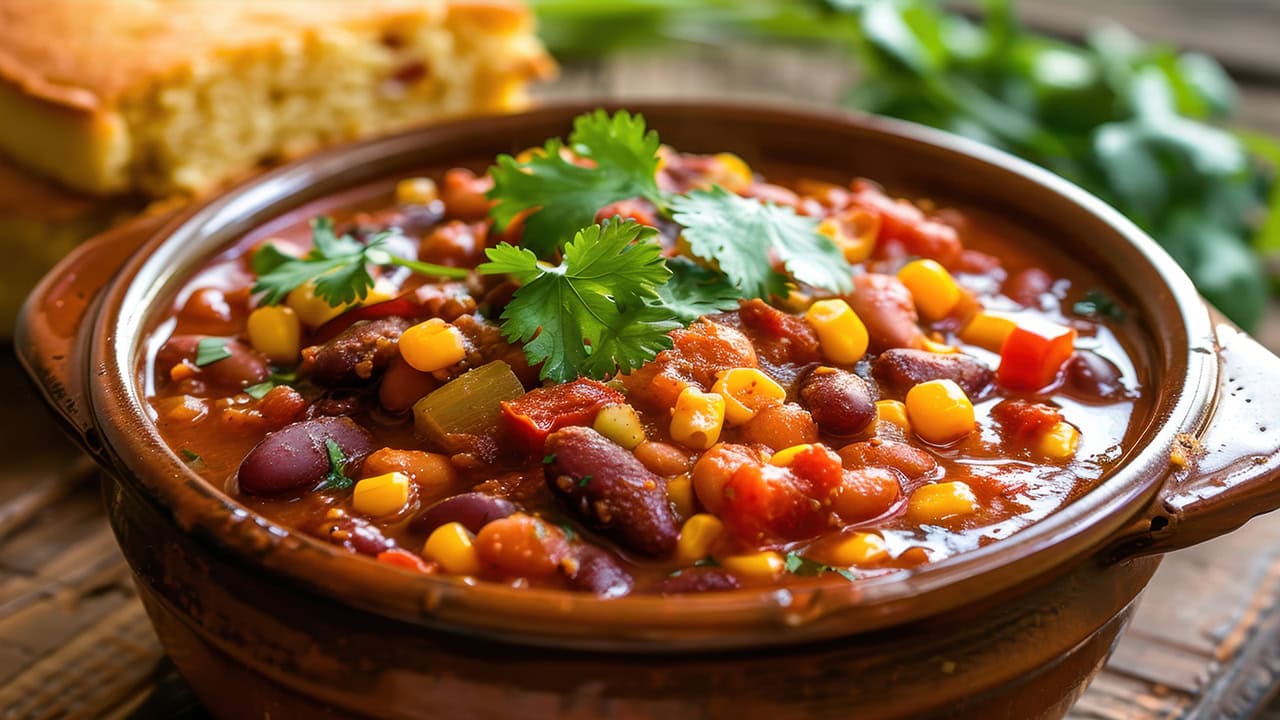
<point>540,412</point>
<point>903,222</point>
<point>1034,354</point>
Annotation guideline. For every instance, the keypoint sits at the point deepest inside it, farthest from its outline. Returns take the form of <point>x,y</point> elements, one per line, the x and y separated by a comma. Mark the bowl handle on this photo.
<point>51,332</point>
<point>1229,471</point>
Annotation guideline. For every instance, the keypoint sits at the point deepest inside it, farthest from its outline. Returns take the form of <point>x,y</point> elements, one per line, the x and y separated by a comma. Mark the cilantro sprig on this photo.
<point>616,159</point>
<point>597,312</point>
<point>797,564</point>
<point>337,265</point>
<point>336,478</point>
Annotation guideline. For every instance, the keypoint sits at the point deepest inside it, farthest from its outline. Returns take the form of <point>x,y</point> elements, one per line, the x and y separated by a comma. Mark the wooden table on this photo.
<point>1205,643</point>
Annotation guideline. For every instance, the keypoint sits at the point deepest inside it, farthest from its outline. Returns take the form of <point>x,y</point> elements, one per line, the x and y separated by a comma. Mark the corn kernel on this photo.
<point>432,345</point>
<point>854,232</point>
<point>934,346</point>
<point>858,549</point>
<point>382,291</point>
<point>697,535</point>
<point>783,457</point>
<point>619,423</point>
<point>313,311</point>
<point>746,391</point>
<point>382,495</point>
<point>1059,442</point>
<point>454,548</point>
<point>276,331</point>
<point>417,191</point>
<point>697,418</point>
<point>939,501</point>
<point>939,411</point>
<point>762,566</point>
<point>987,330</point>
<point>733,173</point>
<point>935,291</point>
<point>680,493</point>
<point>893,411</point>
<point>841,334</point>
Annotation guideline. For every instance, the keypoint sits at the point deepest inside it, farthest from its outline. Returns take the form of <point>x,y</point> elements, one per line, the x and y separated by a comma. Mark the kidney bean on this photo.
<point>357,353</point>
<point>297,457</point>
<point>901,369</point>
<point>1028,286</point>
<point>698,579</point>
<point>1092,375</point>
<point>353,533</point>
<point>474,510</point>
<point>887,309</point>
<point>911,461</point>
<point>229,375</point>
<point>600,573</point>
<point>612,490</point>
<point>839,401</point>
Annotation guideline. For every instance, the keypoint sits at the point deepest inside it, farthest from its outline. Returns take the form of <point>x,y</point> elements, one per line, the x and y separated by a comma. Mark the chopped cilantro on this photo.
<point>336,478</point>
<point>568,531</point>
<point>742,235</point>
<point>548,459</point>
<point>584,481</point>
<point>594,314</point>
<point>210,350</point>
<point>797,564</point>
<point>192,458</point>
<point>259,391</point>
<point>694,291</point>
<point>621,162</point>
<point>707,561</point>
<point>1096,303</point>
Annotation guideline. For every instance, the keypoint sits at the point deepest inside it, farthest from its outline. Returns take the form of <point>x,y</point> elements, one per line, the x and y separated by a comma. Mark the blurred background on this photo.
<point>1167,109</point>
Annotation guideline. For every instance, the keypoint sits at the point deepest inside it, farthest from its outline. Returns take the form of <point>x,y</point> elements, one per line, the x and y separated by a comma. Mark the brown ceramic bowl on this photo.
<point>264,621</point>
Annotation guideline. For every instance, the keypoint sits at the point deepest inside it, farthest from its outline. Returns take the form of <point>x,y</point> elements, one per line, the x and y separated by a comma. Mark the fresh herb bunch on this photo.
<point>1131,122</point>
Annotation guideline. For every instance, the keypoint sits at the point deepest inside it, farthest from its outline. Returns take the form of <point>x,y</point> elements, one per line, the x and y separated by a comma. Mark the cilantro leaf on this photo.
<point>259,391</point>
<point>620,162</point>
<point>796,564</point>
<point>210,350</point>
<point>1096,303</point>
<point>744,235</point>
<point>694,291</point>
<point>338,266</point>
<point>336,478</point>
<point>192,458</point>
<point>595,313</point>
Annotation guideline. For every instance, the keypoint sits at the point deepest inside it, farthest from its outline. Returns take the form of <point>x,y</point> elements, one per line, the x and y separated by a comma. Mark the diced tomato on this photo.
<point>903,222</point>
<point>1023,418</point>
<point>407,560</point>
<point>768,503</point>
<point>779,337</point>
<point>1034,354</point>
<point>540,412</point>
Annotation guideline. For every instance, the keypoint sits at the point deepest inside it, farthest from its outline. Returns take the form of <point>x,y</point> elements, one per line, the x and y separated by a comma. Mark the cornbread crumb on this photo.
<point>179,96</point>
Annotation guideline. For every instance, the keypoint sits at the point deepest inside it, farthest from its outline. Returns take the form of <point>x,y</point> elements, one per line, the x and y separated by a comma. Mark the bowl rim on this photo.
<point>748,617</point>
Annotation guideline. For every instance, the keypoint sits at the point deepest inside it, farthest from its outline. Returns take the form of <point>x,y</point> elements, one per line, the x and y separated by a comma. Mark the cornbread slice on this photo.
<point>178,96</point>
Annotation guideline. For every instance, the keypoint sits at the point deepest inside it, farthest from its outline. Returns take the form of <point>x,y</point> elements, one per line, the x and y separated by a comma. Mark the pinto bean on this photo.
<point>866,492</point>
<point>1092,375</point>
<point>357,353</point>
<point>911,461</point>
<point>522,545</point>
<point>243,368</point>
<point>474,510</point>
<point>900,369</point>
<point>599,572</point>
<point>402,386</point>
<point>887,309</point>
<point>779,427</point>
<point>699,579</point>
<point>839,401</point>
<point>296,456</point>
<point>353,533</point>
<point>612,490</point>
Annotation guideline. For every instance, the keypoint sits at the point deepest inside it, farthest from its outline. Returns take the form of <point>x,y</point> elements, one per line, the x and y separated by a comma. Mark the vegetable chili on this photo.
<point>609,366</point>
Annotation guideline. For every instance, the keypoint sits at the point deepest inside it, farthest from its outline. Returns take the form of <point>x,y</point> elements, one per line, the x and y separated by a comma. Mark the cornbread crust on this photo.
<point>165,96</point>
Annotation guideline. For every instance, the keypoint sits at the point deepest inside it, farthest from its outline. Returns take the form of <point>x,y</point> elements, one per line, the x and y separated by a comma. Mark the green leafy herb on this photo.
<point>742,235</point>
<point>192,458</point>
<point>259,391</point>
<point>796,564</point>
<point>694,291</point>
<point>1096,303</point>
<point>210,350</point>
<point>584,481</point>
<point>284,377</point>
<point>619,160</point>
<point>338,266</point>
<point>567,529</point>
<point>594,314</point>
<point>548,459</point>
<point>336,478</point>
<point>707,561</point>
